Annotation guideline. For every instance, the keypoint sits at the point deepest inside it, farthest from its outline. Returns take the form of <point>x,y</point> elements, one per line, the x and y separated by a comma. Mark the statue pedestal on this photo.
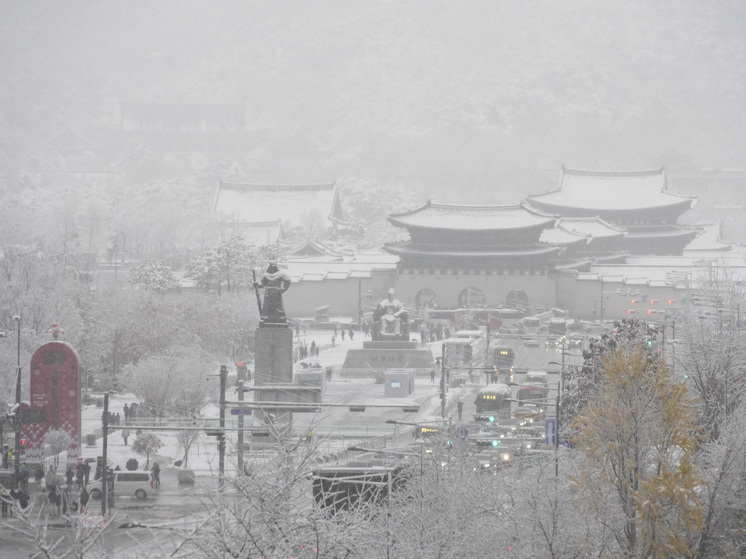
<point>274,356</point>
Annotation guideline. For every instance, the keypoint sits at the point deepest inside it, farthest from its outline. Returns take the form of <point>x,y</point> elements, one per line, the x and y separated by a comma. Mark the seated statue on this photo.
<point>390,315</point>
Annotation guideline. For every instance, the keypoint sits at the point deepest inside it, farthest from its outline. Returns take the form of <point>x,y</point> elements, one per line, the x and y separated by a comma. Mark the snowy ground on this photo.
<point>349,428</point>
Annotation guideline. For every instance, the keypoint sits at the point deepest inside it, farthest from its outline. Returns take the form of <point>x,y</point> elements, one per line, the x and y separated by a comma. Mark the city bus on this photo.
<point>493,401</point>
<point>535,387</point>
<point>557,326</point>
<point>503,358</point>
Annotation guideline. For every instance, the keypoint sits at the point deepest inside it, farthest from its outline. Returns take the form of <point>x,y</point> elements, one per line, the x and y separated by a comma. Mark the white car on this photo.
<point>127,484</point>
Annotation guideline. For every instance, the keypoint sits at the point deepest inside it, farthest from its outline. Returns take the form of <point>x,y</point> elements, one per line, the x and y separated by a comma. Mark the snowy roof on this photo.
<point>290,203</point>
<point>557,236</point>
<point>472,218</point>
<point>709,239</point>
<point>657,232</point>
<point>590,226</point>
<point>610,191</point>
<point>359,265</point>
<point>311,248</point>
<point>406,248</point>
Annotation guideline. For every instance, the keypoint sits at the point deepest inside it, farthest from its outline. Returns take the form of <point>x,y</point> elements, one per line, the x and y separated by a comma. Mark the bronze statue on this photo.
<point>275,282</point>
<point>391,318</point>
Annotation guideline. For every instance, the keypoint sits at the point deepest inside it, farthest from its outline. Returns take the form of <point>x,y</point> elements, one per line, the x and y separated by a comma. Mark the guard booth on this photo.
<point>398,383</point>
<point>344,488</point>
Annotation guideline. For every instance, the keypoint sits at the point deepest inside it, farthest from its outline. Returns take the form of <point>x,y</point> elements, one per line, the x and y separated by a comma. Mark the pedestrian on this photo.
<point>313,347</point>
<point>86,473</point>
<point>297,331</point>
<point>118,419</point>
<point>318,349</point>
<point>334,339</point>
<point>79,475</point>
<point>83,499</point>
<point>351,334</point>
<point>460,406</point>
<point>343,334</point>
<point>126,413</point>
<point>50,480</point>
<point>366,329</point>
<point>125,435</point>
<point>69,475</point>
<point>432,375</point>
<point>24,476</point>
<point>156,469</point>
<point>5,498</point>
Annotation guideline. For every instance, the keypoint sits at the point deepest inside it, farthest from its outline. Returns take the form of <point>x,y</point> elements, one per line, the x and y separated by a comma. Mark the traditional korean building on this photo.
<point>262,212</point>
<point>474,256</point>
<point>638,201</point>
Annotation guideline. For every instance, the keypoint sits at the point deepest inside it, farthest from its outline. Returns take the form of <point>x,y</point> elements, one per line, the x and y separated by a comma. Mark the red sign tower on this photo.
<point>55,398</point>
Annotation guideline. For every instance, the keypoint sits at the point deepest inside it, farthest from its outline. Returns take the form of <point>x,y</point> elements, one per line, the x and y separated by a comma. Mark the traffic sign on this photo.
<point>241,411</point>
<point>549,431</point>
<point>462,433</point>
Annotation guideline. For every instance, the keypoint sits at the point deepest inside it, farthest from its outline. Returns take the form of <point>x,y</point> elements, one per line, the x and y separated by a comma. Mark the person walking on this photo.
<point>334,339</point>
<point>156,469</point>
<point>343,334</point>
<point>351,334</point>
<point>69,475</point>
<point>460,406</point>
<point>24,477</point>
<point>432,375</point>
<point>84,497</point>
<point>125,435</point>
<point>313,348</point>
<point>126,413</point>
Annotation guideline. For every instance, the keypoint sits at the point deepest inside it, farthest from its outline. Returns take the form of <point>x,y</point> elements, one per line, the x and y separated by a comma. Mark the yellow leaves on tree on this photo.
<point>639,433</point>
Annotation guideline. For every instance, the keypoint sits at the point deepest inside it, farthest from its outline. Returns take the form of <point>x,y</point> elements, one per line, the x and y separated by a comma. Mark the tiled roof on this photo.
<point>360,265</point>
<point>709,239</point>
<point>472,218</point>
<point>610,191</point>
<point>591,226</point>
<point>407,249</point>
<point>664,231</point>
<point>558,236</point>
<point>290,203</point>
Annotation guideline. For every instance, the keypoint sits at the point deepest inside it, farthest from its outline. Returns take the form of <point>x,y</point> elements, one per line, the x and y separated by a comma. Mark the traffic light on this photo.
<point>675,342</point>
<point>631,311</point>
<point>492,419</point>
<point>495,442</point>
<point>23,447</point>
<point>650,311</point>
<point>650,343</point>
<point>635,301</point>
<point>671,301</point>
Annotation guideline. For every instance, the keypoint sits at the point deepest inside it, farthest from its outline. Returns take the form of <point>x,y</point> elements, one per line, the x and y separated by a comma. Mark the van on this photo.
<point>127,484</point>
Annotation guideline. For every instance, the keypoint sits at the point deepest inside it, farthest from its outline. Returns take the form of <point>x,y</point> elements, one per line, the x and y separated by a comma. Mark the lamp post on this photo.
<point>17,414</point>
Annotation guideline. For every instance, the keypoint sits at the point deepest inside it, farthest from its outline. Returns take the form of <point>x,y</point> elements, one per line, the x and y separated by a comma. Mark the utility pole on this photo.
<point>221,435</point>
<point>360,304</point>
<point>443,380</point>
<point>240,429</point>
<point>104,468</point>
<point>17,414</point>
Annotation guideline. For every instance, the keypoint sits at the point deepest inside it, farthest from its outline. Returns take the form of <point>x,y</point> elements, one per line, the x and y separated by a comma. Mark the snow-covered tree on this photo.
<point>58,441</point>
<point>172,382</point>
<point>153,276</point>
<point>639,432</point>
<point>147,444</point>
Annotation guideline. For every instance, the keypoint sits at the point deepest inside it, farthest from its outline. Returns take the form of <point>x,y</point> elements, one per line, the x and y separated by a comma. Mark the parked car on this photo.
<point>531,342</point>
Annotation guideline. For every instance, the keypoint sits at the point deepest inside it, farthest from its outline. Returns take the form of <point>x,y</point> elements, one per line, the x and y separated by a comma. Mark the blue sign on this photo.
<point>550,430</point>
<point>462,433</point>
<point>241,411</point>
